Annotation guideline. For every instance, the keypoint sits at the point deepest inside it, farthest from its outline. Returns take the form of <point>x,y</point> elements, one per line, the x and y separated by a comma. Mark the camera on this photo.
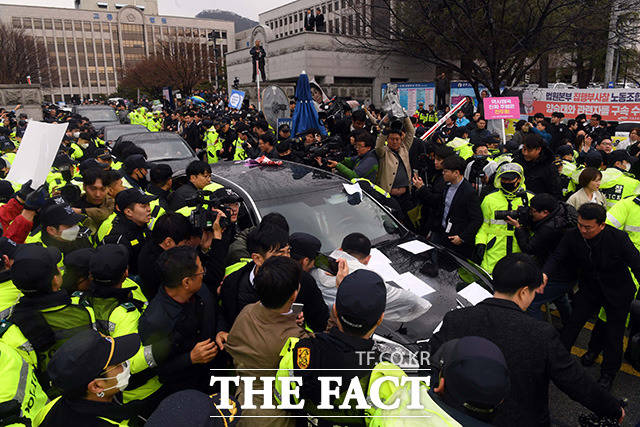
<point>521,213</point>
<point>328,149</point>
<point>203,216</point>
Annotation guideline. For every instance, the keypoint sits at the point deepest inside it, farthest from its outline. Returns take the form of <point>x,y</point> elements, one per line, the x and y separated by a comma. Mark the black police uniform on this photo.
<point>126,232</point>
<point>332,350</point>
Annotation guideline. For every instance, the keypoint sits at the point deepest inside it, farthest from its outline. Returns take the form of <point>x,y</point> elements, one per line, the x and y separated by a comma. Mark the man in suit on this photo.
<point>601,257</point>
<point>319,21</point>
<point>309,20</point>
<point>533,350</point>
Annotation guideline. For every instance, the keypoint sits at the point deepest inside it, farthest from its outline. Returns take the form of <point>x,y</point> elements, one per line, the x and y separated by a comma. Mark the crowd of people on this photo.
<point>116,305</point>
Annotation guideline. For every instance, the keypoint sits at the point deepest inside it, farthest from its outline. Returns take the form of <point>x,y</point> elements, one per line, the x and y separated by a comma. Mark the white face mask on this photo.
<point>76,134</point>
<point>627,166</point>
<point>122,378</point>
<point>70,234</point>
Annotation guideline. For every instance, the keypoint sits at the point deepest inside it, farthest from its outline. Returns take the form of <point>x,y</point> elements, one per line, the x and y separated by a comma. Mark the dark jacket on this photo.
<point>319,22</point>
<point>477,136</point>
<point>179,197</point>
<point>174,329</point>
<point>237,292</point>
<point>546,234</point>
<point>192,134</point>
<point>558,133</point>
<point>89,413</point>
<point>601,264</point>
<point>257,54</point>
<point>126,232</point>
<point>163,195</point>
<point>309,21</point>
<point>455,413</point>
<point>148,270</point>
<point>541,175</point>
<point>329,351</point>
<point>534,356</point>
<point>464,215</point>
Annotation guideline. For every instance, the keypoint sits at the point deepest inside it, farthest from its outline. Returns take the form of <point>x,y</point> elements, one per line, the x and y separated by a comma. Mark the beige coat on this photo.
<point>579,198</point>
<point>254,342</point>
<point>387,161</point>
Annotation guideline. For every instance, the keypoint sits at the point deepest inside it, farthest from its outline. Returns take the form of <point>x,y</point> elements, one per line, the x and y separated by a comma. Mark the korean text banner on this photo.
<point>611,104</point>
<point>507,107</point>
<point>411,94</point>
<point>36,153</point>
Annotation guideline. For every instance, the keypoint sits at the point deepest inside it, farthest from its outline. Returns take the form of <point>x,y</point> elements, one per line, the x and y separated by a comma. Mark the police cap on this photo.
<point>86,355</point>
<point>193,408</point>
<point>108,263</point>
<point>360,300</point>
<point>33,268</point>
<point>304,245</point>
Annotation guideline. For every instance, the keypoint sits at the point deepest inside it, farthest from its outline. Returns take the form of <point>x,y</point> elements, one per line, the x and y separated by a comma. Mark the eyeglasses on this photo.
<point>202,273</point>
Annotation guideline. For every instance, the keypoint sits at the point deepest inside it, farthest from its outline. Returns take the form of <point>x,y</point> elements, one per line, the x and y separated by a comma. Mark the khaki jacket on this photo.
<point>254,342</point>
<point>387,161</point>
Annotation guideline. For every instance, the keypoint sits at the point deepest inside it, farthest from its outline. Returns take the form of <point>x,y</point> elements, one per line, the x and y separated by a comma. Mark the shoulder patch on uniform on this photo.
<point>303,357</point>
<point>4,326</point>
<point>128,306</point>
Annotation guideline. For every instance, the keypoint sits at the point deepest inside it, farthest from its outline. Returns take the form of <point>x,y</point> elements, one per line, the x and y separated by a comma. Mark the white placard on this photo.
<point>413,284</point>
<point>384,270</point>
<point>415,247</point>
<point>36,153</point>
<point>352,189</point>
<point>475,293</point>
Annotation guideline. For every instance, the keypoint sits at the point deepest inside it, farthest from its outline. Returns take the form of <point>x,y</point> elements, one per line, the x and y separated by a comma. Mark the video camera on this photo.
<point>203,216</point>
<point>521,213</point>
<point>329,148</point>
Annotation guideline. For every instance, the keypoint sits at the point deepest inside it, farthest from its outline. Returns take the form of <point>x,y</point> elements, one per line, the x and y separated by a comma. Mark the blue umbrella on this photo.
<point>198,100</point>
<point>305,116</point>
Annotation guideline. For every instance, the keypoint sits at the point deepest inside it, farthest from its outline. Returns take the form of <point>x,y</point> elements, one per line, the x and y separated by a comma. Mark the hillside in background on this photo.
<point>241,23</point>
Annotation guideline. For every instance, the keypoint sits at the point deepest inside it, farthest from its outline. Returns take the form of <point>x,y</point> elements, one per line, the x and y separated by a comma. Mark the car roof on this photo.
<point>154,136</point>
<point>274,182</point>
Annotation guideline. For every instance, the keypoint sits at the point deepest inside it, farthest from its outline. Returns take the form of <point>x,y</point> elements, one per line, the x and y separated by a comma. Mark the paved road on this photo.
<point>565,412</point>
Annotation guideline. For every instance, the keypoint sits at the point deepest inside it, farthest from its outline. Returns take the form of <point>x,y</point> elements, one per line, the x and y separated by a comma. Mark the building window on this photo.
<point>102,4</point>
<point>324,9</point>
<point>295,18</point>
<point>357,27</point>
<point>48,24</point>
<point>336,25</point>
<point>57,23</point>
<point>344,26</point>
<point>37,24</point>
<point>331,26</point>
<point>330,7</point>
<point>344,4</point>
<point>336,5</point>
<point>223,35</point>
<point>16,22</point>
<point>280,22</point>
<point>301,16</point>
<point>271,25</point>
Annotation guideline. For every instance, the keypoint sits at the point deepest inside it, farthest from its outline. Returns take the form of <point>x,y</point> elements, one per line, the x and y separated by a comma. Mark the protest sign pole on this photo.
<point>258,87</point>
<point>503,132</point>
<point>439,123</point>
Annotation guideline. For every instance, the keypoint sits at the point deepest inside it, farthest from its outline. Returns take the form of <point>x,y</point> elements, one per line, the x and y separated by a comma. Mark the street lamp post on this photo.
<point>212,42</point>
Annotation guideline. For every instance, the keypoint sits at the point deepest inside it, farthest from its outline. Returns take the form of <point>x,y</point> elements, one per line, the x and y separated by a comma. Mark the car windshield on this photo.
<point>116,132</point>
<point>99,115</point>
<point>165,149</point>
<point>328,215</point>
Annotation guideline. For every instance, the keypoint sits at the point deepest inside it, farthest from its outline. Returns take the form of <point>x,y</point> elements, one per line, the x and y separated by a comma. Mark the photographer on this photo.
<point>495,239</point>
<point>364,165</point>
<point>538,234</point>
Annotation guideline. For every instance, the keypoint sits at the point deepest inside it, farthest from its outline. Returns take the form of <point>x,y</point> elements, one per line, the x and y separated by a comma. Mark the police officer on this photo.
<point>9,294</point>
<point>495,239</point>
<point>213,145</point>
<point>421,114</point>
<point>75,276</point>
<point>60,228</point>
<point>135,168</point>
<point>44,315</point>
<point>21,396</point>
<point>90,369</point>
<point>617,183</point>
<point>358,311</point>
<point>130,225</point>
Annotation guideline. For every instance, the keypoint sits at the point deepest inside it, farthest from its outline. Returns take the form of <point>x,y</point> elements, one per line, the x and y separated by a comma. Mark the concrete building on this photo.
<point>90,46</point>
<point>326,56</point>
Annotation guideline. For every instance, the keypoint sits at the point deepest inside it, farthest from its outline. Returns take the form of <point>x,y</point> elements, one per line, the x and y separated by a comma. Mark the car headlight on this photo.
<point>390,351</point>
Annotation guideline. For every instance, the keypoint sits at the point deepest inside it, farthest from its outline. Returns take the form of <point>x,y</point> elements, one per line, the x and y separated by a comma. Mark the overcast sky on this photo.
<point>246,8</point>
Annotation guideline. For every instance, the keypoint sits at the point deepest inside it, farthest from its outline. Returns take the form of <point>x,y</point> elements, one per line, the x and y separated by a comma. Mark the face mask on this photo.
<point>70,234</point>
<point>76,134</point>
<point>122,378</point>
<point>508,187</point>
<point>627,166</point>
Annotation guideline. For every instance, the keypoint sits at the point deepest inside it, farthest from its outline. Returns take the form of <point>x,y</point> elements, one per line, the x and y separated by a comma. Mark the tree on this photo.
<point>23,56</point>
<point>488,42</point>
<point>179,62</point>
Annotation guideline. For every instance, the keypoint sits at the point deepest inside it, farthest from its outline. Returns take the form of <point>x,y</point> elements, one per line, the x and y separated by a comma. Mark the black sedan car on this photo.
<point>318,203</point>
<point>164,147</point>
<point>99,115</point>
<point>112,132</point>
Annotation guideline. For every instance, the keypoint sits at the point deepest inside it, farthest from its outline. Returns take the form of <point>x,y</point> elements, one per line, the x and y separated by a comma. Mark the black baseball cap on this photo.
<point>108,263</point>
<point>86,355</point>
<point>136,161</point>
<point>59,214</point>
<point>85,165</point>
<point>226,195</point>
<point>76,266</point>
<point>564,150</point>
<point>620,155</point>
<point>8,247</point>
<point>304,245</point>
<point>6,190</point>
<point>361,299</point>
<point>284,128</point>
<point>129,196</point>
<point>62,160</point>
<point>33,267</point>
<point>193,408</point>
<point>475,373</point>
